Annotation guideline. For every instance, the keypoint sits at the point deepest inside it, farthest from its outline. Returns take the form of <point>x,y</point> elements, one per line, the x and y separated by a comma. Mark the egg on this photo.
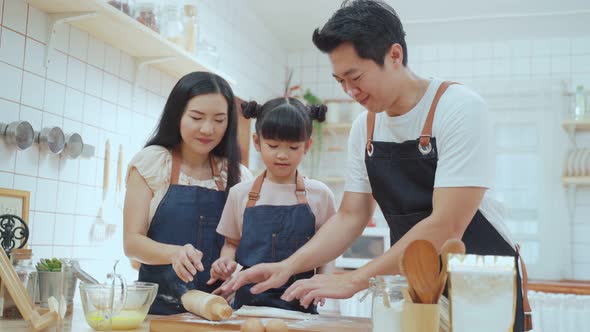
<point>252,325</point>
<point>276,325</point>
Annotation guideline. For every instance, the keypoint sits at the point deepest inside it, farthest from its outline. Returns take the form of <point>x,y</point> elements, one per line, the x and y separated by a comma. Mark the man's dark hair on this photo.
<point>372,26</point>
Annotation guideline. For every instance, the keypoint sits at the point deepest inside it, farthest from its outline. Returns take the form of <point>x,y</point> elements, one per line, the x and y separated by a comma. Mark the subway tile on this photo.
<point>581,63</point>
<point>33,116</point>
<point>15,15</point>
<point>96,52</point>
<point>82,232</point>
<point>61,37</point>
<point>9,112</point>
<point>580,45</point>
<point>46,195</point>
<point>123,120</point>
<point>49,166</point>
<point>521,48</point>
<point>37,25</point>
<point>33,90</point>
<point>43,228</point>
<point>88,200</point>
<point>68,169</point>
<point>87,175</point>
<point>76,76</point>
<point>55,97</point>
<point>66,198</point>
<point>74,107</point>
<point>108,116</point>
<point>112,60</point>
<point>1,10</point>
<point>35,57</point>
<point>125,94</point>
<point>62,251</point>
<point>12,48</point>
<point>27,183</point>
<point>6,179</point>
<point>78,44</point>
<point>127,69</point>
<point>540,65</point>
<point>561,64</point>
<point>94,78</point>
<point>92,110</point>
<point>57,67</point>
<point>153,80</point>
<point>110,88</point>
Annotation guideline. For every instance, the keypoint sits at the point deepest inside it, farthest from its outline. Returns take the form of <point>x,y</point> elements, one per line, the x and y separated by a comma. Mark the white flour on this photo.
<point>387,319</point>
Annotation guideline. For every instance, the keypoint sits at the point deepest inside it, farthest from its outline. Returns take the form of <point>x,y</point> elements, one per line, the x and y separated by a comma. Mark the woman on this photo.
<point>177,187</point>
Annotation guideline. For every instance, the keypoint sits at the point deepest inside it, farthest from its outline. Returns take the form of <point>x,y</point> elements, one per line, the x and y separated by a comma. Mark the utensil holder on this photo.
<point>418,317</point>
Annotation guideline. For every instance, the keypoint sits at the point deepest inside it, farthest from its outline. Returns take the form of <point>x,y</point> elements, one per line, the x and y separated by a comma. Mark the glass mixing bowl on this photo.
<point>109,307</point>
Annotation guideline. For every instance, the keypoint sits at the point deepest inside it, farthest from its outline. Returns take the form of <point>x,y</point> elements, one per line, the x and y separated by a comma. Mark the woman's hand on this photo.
<point>222,268</point>
<point>186,261</point>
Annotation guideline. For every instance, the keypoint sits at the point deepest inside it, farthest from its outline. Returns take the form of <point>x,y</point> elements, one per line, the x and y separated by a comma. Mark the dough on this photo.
<point>276,325</point>
<point>252,325</point>
<point>268,312</point>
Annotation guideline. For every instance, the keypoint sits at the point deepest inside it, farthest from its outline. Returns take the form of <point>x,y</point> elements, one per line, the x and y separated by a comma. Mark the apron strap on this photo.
<point>254,194</point>
<point>528,318</point>
<point>177,161</point>
<point>427,130</point>
<point>370,129</point>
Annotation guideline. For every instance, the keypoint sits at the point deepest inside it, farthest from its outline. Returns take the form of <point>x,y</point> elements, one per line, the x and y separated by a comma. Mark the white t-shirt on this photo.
<point>319,197</point>
<point>463,140</point>
<point>154,164</point>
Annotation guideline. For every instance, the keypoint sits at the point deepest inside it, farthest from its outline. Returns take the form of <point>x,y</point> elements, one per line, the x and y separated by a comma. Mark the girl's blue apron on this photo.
<point>270,234</point>
<point>186,215</point>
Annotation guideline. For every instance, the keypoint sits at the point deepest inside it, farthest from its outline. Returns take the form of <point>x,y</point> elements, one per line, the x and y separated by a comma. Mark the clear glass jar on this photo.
<point>580,106</point>
<point>191,29</point>
<point>171,26</point>
<point>21,260</point>
<point>388,303</point>
<point>146,12</point>
<point>126,6</point>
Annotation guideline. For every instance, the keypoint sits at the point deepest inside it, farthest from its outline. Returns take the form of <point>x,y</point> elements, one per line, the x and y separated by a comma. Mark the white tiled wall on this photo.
<point>88,89</point>
<point>562,59</point>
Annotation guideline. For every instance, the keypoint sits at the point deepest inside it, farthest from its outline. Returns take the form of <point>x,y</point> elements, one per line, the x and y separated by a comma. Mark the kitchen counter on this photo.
<point>77,323</point>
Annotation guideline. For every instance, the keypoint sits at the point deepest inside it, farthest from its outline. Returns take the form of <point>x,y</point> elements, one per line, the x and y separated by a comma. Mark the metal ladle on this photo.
<point>20,133</point>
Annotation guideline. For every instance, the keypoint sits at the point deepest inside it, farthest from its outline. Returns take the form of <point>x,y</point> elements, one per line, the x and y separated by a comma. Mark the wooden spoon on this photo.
<point>451,246</point>
<point>422,268</point>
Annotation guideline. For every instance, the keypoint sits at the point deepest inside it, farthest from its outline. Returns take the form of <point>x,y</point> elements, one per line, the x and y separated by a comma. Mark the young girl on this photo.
<point>177,187</point>
<point>269,218</point>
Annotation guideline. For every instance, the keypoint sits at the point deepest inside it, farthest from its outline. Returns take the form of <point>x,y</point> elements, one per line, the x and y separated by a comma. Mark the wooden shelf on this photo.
<point>577,287</point>
<point>125,33</point>
<point>577,180</point>
<point>576,124</point>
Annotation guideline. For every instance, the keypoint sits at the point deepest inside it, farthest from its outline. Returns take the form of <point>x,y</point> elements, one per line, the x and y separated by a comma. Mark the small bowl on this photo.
<point>109,308</point>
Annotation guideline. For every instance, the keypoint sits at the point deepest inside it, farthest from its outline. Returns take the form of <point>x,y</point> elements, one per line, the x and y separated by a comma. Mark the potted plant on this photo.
<point>55,279</point>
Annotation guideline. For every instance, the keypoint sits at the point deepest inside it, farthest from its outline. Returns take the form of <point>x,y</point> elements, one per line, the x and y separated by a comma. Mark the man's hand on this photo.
<point>222,269</point>
<point>321,286</point>
<point>265,276</point>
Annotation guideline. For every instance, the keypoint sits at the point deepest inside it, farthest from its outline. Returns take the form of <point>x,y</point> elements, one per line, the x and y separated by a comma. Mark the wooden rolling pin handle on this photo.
<point>222,311</point>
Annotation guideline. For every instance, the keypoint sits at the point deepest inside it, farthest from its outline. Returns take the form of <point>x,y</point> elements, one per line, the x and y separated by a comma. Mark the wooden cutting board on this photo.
<point>188,322</point>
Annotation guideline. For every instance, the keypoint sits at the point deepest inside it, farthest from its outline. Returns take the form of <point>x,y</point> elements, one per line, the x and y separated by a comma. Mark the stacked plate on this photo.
<point>577,163</point>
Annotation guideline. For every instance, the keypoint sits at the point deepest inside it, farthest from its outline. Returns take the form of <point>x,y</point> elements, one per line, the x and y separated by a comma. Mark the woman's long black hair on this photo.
<point>167,134</point>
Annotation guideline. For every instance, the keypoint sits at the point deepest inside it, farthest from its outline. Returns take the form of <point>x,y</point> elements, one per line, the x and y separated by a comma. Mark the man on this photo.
<point>422,152</point>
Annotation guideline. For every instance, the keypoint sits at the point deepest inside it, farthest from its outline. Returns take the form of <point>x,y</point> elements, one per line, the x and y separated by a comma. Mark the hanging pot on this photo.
<point>20,133</point>
<point>51,139</point>
<point>74,146</point>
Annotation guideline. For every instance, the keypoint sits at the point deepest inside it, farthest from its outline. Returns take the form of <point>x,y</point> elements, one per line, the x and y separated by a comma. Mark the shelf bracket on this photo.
<point>141,62</point>
<point>58,19</point>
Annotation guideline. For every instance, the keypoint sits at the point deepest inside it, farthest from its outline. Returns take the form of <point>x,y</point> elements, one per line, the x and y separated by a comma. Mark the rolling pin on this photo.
<point>208,306</point>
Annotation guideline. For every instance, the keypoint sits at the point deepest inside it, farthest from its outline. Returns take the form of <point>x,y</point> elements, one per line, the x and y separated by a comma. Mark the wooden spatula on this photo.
<point>451,246</point>
<point>421,265</point>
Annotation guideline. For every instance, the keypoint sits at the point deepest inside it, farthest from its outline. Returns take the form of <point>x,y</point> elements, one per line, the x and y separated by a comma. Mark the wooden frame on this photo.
<point>15,202</point>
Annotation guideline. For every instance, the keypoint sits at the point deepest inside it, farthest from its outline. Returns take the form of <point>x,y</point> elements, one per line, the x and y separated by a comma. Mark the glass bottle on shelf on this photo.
<point>580,106</point>
<point>21,260</point>
<point>191,32</point>
<point>126,6</point>
<point>146,12</point>
<point>171,26</point>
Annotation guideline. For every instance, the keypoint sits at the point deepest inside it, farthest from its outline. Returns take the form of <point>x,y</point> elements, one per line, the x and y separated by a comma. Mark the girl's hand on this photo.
<point>222,268</point>
<point>186,261</point>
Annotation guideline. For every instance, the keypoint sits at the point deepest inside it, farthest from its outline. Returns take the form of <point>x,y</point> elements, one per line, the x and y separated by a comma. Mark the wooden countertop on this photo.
<point>77,323</point>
